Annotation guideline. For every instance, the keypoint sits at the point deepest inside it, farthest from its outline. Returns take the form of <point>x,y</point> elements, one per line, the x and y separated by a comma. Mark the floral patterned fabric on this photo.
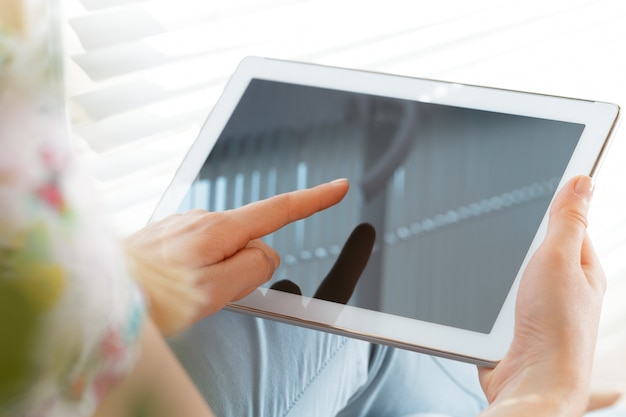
<point>70,315</point>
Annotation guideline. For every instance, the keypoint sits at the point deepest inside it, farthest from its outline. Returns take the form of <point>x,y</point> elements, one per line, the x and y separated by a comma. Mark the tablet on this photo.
<point>450,187</point>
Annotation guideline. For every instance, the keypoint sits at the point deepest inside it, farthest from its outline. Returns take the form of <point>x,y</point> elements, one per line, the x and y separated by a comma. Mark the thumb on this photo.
<point>568,215</point>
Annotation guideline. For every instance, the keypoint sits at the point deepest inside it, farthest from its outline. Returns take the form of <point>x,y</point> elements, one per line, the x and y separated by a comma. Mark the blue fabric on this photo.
<point>247,366</point>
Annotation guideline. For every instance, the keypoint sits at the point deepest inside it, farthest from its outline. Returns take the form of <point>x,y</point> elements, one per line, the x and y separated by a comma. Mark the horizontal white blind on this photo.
<point>142,75</point>
<point>149,71</point>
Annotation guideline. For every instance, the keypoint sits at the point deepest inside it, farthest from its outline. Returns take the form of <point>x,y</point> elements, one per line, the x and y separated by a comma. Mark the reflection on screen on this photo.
<point>455,195</point>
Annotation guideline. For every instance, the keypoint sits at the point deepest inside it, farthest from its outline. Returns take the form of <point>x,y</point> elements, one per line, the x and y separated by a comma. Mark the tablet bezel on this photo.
<point>599,118</point>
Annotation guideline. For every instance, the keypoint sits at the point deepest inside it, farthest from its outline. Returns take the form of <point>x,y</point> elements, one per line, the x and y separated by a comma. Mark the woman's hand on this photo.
<point>547,369</point>
<point>220,254</point>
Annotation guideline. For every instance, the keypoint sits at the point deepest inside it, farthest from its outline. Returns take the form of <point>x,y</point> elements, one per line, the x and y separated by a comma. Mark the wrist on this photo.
<point>554,388</point>
<point>536,405</point>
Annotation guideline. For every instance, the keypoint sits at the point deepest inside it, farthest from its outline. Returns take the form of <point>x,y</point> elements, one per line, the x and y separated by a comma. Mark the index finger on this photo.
<point>266,216</point>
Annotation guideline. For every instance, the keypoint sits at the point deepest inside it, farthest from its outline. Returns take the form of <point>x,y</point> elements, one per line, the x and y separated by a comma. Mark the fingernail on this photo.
<point>273,262</point>
<point>584,188</point>
<point>338,180</point>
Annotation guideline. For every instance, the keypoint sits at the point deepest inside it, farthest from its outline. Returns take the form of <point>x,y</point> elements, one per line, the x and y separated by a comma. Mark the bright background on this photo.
<point>143,75</point>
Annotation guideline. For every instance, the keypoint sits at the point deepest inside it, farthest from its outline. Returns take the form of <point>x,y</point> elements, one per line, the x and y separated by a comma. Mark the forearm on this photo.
<point>158,385</point>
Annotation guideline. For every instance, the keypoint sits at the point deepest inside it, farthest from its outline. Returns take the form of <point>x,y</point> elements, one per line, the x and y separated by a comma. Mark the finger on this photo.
<point>250,267</point>
<point>568,215</point>
<point>273,257</point>
<point>267,249</point>
<point>224,281</point>
<point>244,293</point>
<point>590,263</point>
<point>264,217</point>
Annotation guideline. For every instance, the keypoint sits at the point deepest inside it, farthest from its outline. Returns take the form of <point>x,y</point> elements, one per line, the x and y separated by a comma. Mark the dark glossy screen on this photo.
<point>455,195</point>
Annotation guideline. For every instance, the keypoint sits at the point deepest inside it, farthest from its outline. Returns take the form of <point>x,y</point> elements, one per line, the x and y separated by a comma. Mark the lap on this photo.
<point>249,366</point>
<point>404,383</point>
<point>246,366</point>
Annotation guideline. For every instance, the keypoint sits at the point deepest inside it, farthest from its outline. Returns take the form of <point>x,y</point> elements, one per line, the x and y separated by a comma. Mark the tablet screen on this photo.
<point>455,194</point>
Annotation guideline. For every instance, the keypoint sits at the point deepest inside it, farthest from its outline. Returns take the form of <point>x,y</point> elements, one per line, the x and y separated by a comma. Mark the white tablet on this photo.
<point>450,186</point>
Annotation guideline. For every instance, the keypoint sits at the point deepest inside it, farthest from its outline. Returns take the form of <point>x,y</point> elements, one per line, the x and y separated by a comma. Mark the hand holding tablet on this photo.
<point>456,180</point>
<point>547,370</point>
